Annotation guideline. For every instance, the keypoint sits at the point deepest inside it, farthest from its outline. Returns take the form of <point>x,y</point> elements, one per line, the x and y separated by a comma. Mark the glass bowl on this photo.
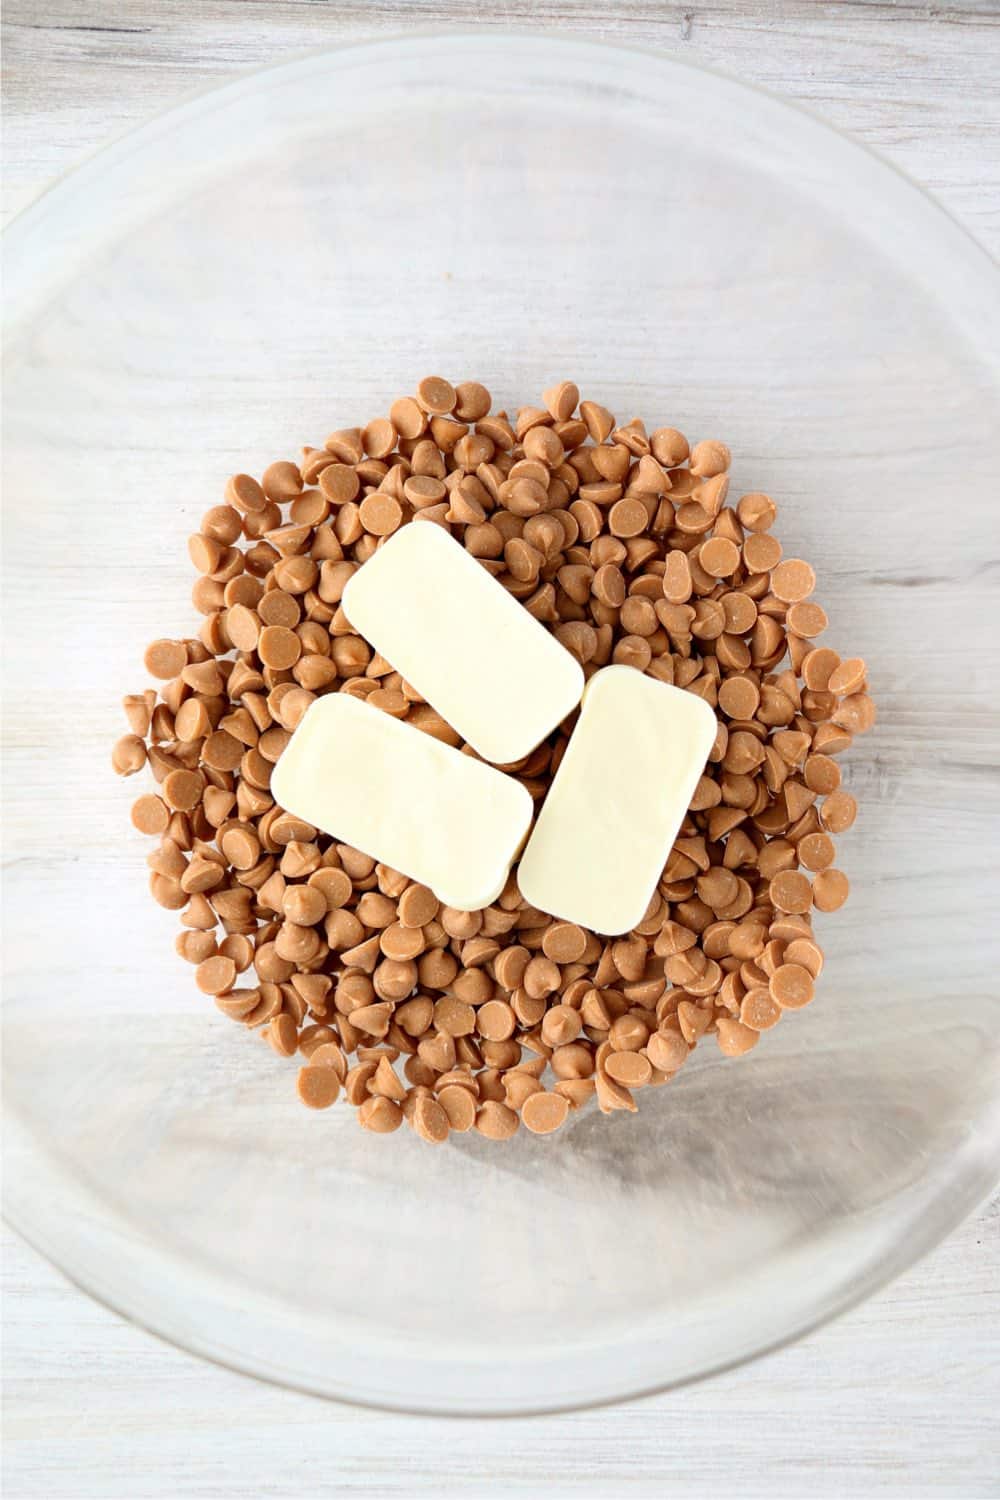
<point>282,256</point>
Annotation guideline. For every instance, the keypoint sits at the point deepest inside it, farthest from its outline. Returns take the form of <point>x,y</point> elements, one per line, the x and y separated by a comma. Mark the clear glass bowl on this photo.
<point>283,256</point>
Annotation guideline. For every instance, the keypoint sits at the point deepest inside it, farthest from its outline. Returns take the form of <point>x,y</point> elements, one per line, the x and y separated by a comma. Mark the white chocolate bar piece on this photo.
<point>612,813</point>
<point>404,798</point>
<point>479,658</point>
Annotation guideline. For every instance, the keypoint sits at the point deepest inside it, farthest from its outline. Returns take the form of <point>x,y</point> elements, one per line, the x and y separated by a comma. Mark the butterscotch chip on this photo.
<point>561,400</point>
<point>734,1037</point>
<point>128,755</point>
<point>381,514</point>
<point>847,677</point>
<point>758,1010</point>
<point>793,580</point>
<point>326,1053</point>
<point>407,417</point>
<point>380,1114</point>
<point>667,1050</point>
<point>790,891</point>
<point>436,395</point>
<point>245,494</point>
<point>496,1021</point>
<point>816,851</point>
<point>424,490</point>
<point>855,713</point>
<point>821,774</point>
<point>205,552</point>
<point>243,627</point>
<point>496,1121</point>
<point>543,1112</point>
<point>418,905</point>
<point>165,659</point>
<point>756,511</point>
<point>215,975</point>
<point>303,905</point>
<point>818,667</point>
<point>669,447</point>
<point>806,619</point>
<point>283,1035</point>
<point>430,1121</point>
<point>318,1087</point>
<point>279,647</point>
<point>739,697</point>
<point>838,811</point>
<point>339,484</point>
<point>631,1069</point>
<point>150,814</point>
<point>401,942</point>
<point>719,557</point>
<point>221,751</point>
<point>564,942</point>
<point>791,986</point>
<point>182,790</point>
<point>709,458</point>
<point>459,1105</point>
<point>627,518</point>
<point>830,890</point>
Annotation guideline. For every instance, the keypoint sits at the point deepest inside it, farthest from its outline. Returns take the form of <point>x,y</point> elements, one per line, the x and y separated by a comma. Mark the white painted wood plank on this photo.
<point>916,82</point>
<point>897,1399</point>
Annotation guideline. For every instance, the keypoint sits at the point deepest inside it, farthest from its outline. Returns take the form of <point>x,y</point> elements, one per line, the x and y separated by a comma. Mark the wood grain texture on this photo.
<point>897,1399</point>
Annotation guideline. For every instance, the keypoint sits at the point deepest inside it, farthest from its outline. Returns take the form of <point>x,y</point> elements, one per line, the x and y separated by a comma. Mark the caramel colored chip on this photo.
<point>496,1021</point>
<point>627,518</point>
<point>182,789</point>
<point>739,697</point>
<point>381,514</point>
<point>459,1106</point>
<point>544,1112</point>
<point>418,905</point>
<point>279,647</point>
<point>380,1115</point>
<point>793,580</point>
<point>719,557</point>
<point>128,755</point>
<point>756,512</point>
<point>564,942</point>
<point>848,676</point>
<point>791,986</point>
<point>430,1121</point>
<point>631,1069</point>
<point>496,1120</point>
<point>318,1087</point>
<point>838,811</point>
<point>436,396</point>
<point>165,659</point>
<point>816,851</point>
<point>821,774</point>
<point>215,975</point>
<point>790,891</point>
<point>806,619</point>
<point>830,890</point>
<point>818,667</point>
<point>150,814</point>
<point>758,1010</point>
<point>761,553</point>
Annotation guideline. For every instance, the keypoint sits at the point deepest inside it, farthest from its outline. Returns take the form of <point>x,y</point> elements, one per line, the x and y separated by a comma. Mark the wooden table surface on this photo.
<point>899,1398</point>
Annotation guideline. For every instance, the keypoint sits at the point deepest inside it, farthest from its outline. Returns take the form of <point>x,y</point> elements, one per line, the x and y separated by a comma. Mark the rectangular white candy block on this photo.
<point>404,798</point>
<point>617,801</point>
<point>479,658</point>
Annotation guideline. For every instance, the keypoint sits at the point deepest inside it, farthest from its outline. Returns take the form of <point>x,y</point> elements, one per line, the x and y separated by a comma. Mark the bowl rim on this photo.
<point>41,1234</point>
